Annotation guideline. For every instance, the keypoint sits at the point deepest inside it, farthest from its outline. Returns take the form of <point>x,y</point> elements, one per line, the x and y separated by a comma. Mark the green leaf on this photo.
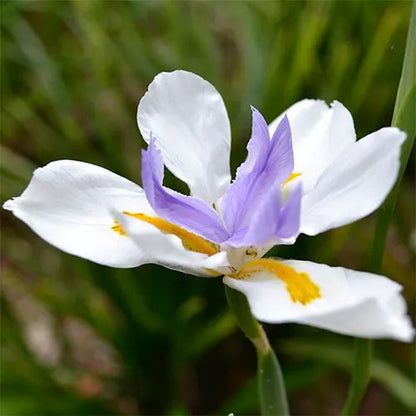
<point>363,351</point>
<point>408,76</point>
<point>339,356</point>
<point>404,118</point>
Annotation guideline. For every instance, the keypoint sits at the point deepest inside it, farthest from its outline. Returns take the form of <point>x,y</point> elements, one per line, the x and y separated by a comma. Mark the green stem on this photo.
<point>404,118</point>
<point>273,400</point>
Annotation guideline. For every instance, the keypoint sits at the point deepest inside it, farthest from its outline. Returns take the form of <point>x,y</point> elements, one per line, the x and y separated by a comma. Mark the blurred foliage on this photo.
<point>78,338</point>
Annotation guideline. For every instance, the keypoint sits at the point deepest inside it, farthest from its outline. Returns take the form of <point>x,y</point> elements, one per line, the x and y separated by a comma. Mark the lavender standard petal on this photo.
<point>261,229</point>
<point>235,199</point>
<point>190,213</point>
<point>269,162</point>
<point>289,221</point>
<point>281,161</point>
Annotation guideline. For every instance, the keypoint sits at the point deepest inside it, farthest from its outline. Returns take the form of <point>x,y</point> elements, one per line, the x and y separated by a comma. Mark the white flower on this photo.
<point>343,180</point>
<point>326,180</point>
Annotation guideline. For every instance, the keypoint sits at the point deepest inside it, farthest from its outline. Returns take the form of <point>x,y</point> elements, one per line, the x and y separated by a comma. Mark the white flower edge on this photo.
<point>351,303</point>
<point>187,117</point>
<point>73,205</point>
<point>355,184</point>
<point>343,180</point>
<point>319,134</point>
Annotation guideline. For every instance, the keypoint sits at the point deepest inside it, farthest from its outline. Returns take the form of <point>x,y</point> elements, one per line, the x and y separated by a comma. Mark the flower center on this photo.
<point>190,241</point>
<point>299,285</point>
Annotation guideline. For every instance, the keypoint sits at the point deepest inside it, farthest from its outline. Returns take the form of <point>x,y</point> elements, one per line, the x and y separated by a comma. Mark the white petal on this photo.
<point>167,249</point>
<point>355,184</point>
<point>73,205</point>
<point>319,134</point>
<point>352,303</point>
<point>187,116</point>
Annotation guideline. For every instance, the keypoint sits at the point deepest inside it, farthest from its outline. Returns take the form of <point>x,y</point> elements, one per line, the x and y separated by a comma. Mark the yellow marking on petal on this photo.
<point>292,176</point>
<point>118,228</point>
<point>189,240</point>
<point>299,285</point>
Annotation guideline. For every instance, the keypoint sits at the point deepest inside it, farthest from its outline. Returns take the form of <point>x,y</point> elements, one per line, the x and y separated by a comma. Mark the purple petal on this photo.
<point>192,214</point>
<point>261,228</point>
<point>270,223</point>
<point>258,145</point>
<point>236,197</point>
<point>289,221</point>
<point>281,161</point>
<point>269,162</point>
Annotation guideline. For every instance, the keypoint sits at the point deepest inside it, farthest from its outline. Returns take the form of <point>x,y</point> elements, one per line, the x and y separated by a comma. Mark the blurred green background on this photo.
<point>78,338</point>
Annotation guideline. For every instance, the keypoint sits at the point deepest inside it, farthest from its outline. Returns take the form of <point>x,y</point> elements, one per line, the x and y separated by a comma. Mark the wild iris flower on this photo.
<point>305,173</point>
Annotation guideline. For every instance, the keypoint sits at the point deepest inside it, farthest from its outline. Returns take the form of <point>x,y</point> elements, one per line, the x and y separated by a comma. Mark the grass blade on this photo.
<point>403,117</point>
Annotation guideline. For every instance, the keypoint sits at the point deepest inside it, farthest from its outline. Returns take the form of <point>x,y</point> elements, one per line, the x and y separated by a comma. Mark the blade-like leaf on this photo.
<point>404,118</point>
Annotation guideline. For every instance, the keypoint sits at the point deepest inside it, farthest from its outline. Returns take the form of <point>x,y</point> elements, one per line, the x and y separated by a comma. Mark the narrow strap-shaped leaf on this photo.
<point>363,352</point>
<point>404,118</point>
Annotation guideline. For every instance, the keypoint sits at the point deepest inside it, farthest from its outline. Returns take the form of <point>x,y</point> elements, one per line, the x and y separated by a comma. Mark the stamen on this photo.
<point>292,176</point>
<point>118,228</point>
<point>190,241</point>
<point>299,285</point>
